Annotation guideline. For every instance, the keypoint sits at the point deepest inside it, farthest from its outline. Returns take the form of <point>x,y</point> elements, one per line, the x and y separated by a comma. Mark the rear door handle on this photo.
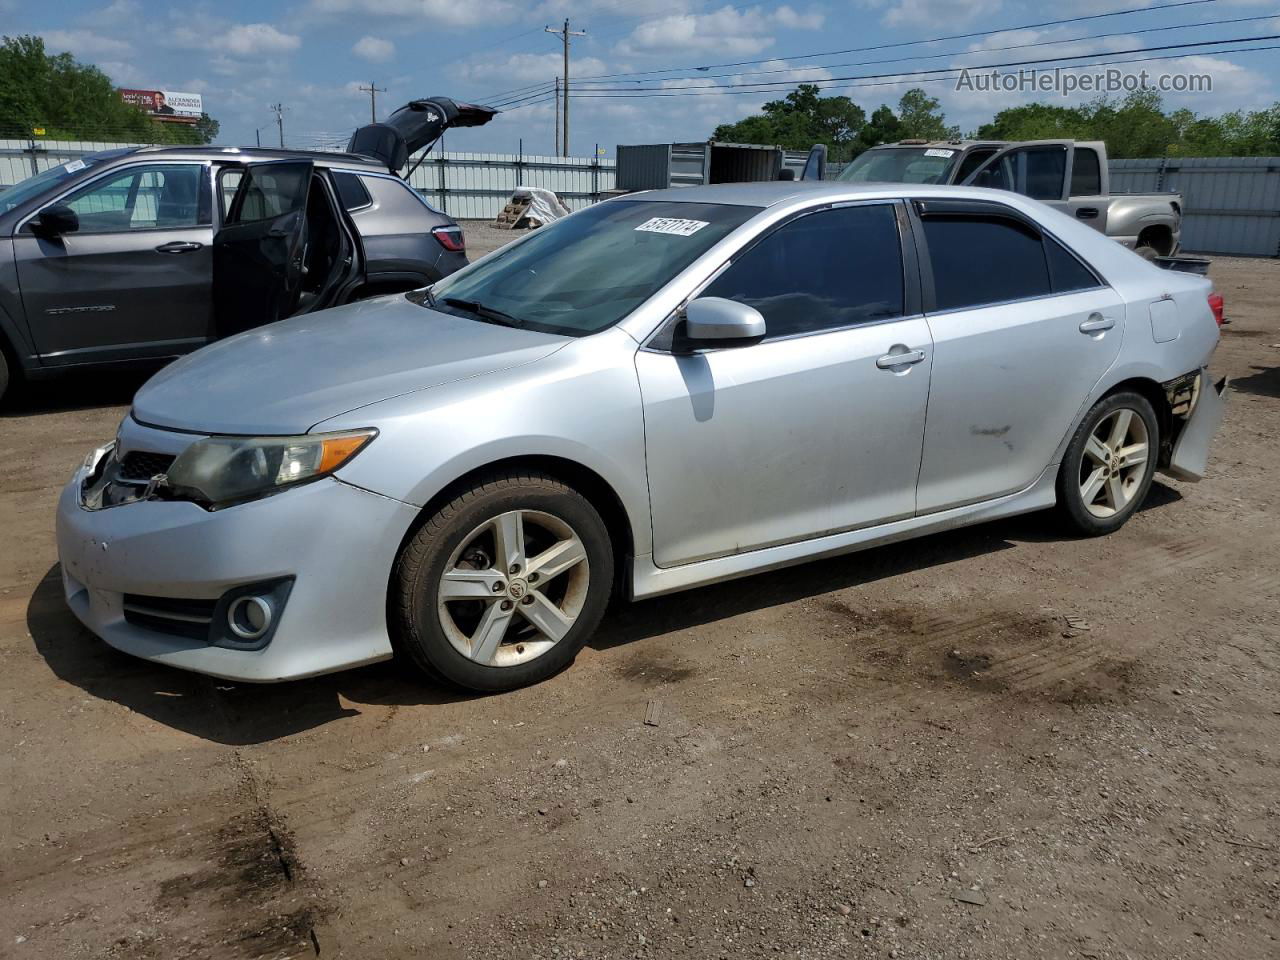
<point>1087,213</point>
<point>1097,323</point>
<point>179,246</point>
<point>891,360</point>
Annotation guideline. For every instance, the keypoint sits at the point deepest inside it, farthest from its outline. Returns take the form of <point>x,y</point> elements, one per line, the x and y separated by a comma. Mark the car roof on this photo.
<point>323,157</point>
<point>773,192</point>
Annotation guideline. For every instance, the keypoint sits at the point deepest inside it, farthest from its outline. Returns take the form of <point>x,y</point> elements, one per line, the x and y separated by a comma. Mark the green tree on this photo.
<point>920,117</point>
<point>75,101</point>
<point>800,120</point>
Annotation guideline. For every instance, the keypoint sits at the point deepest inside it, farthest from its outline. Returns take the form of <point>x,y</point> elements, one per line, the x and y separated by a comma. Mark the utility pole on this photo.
<point>564,33</point>
<point>279,112</point>
<point>373,91</point>
<point>555,102</point>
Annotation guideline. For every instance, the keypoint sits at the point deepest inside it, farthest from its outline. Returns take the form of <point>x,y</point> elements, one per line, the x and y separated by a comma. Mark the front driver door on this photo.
<point>813,430</point>
<point>134,280</point>
<point>259,253</point>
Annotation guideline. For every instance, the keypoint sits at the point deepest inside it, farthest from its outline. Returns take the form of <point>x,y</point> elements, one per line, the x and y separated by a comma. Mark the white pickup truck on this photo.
<point>1068,174</point>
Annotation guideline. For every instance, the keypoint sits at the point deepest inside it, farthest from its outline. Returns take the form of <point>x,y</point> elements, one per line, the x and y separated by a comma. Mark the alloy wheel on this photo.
<point>513,588</point>
<point>1114,462</point>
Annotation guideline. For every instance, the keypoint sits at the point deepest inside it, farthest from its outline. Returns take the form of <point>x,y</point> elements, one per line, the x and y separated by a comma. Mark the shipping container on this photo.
<point>655,166</point>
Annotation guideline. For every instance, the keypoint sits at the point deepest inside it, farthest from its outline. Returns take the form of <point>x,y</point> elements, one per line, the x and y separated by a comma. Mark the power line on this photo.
<point>960,53</point>
<point>765,86</point>
<point>903,43</point>
<point>901,79</point>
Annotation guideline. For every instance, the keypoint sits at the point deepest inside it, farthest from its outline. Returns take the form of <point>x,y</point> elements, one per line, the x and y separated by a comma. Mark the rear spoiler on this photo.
<point>416,125</point>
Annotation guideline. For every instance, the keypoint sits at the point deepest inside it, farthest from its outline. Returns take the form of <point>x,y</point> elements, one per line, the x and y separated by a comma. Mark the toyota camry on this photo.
<point>660,391</point>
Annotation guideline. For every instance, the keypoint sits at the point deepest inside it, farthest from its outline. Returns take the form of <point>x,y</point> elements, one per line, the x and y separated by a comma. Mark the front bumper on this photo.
<point>336,541</point>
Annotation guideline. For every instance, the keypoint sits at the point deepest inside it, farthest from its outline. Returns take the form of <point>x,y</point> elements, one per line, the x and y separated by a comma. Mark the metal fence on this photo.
<point>1232,204</point>
<point>465,185</point>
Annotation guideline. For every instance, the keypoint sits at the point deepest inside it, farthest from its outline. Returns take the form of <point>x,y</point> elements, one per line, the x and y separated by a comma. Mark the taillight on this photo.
<point>1215,304</point>
<point>450,238</point>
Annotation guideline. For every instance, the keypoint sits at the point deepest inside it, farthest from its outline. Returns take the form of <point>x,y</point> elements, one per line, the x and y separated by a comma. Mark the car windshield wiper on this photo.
<point>483,312</point>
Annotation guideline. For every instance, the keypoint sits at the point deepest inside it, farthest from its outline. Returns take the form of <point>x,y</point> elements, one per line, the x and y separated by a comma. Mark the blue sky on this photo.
<point>311,55</point>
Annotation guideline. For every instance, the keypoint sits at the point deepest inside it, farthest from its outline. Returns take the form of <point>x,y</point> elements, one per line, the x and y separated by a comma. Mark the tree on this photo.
<point>920,117</point>
<point>75,101</point>
<point>800,120</point>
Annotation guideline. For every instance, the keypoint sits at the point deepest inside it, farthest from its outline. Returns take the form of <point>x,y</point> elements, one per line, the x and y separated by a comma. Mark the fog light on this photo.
<point>249,617</point>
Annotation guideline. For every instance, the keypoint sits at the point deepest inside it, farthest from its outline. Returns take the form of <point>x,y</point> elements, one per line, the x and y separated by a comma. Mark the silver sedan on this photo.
<point>660,391</point>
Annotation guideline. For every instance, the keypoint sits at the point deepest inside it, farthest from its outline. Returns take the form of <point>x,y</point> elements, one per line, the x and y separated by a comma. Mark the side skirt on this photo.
<point>649,580</point>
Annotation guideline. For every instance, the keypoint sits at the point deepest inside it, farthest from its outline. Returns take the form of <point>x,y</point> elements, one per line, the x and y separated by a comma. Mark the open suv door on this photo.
<point>259,254</point>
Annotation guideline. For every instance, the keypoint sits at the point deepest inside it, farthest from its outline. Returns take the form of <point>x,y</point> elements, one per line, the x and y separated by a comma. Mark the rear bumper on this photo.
<point>1190,457</point>
<point>337,543</point>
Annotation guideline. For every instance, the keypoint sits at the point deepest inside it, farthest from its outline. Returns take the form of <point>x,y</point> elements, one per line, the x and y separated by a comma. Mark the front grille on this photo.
<point>174,616</point>
<point>139,466</point>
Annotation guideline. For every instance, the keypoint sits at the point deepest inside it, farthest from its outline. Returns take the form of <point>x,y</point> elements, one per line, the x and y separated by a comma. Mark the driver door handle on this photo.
<point>1097,323</point>
<point>891,360</point>
<point>179,246</point>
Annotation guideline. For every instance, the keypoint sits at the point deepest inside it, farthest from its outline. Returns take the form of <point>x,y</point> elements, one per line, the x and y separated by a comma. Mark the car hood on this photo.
<point>286,377</point>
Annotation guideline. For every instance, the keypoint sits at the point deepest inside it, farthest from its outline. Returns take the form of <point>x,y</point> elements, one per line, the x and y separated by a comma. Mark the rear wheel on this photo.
<point>1109,464</point>
<point>503,586</point>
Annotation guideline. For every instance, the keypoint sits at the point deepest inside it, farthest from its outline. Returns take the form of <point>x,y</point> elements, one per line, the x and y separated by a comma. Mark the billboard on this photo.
<point>171,105</point>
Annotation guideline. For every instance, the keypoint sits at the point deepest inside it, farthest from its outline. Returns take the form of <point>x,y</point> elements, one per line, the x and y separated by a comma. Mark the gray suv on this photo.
<point>148,253</point>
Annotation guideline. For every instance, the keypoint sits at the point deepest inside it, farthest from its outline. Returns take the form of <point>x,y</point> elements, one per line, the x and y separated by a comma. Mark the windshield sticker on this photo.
<point>73,165</point>
<point>935,152</point>
<point>681,228</point>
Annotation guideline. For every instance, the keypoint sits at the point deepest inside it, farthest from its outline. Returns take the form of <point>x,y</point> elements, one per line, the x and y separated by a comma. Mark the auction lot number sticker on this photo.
<point>681,228</point>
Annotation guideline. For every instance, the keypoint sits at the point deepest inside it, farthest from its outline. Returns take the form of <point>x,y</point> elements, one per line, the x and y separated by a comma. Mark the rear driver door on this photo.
<point>259,253</point>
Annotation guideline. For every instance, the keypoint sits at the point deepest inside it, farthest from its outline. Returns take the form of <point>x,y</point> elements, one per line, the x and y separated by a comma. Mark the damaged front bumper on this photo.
<point>1189,457</point>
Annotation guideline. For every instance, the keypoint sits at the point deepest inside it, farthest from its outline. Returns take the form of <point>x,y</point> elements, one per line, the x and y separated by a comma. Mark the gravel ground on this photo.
<point>994,743</point>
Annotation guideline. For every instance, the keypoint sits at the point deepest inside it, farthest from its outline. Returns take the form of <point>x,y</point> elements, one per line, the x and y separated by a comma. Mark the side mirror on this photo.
<point>721,320</point>
<point>55,220</point>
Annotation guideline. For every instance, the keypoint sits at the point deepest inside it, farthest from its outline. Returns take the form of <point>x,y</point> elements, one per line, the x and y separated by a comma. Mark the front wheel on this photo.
<point>504,585</point>
<point>1109,464</point>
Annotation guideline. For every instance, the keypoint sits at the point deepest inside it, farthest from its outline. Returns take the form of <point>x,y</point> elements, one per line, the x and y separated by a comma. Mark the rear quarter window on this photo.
<point>351,190</point>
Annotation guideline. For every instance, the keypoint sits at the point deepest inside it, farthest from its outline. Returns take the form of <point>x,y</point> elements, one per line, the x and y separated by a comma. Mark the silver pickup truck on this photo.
<point>1068,174</point>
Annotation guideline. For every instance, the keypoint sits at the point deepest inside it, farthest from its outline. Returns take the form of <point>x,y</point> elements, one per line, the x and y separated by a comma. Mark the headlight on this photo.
<point>221,471</point>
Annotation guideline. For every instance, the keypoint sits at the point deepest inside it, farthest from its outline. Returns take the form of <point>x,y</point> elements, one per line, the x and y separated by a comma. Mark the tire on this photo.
<point>1099,491</point>
<point>1146,252</point>
<point>540,623</point>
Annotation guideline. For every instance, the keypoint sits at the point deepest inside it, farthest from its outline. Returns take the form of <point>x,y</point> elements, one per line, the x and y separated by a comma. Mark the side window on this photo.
<point>1065,270</point>
<point>1036,172</point>
<point>144,198</point>
<point>1012,262</point>
<point>830,269</point>
<point>972,162</point>
<point>264,191</point>
<point>351,191</point>
<point>1086,174</point>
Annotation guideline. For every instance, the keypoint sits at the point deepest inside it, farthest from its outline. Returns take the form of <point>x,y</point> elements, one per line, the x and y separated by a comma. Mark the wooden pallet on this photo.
<point>514,213</point>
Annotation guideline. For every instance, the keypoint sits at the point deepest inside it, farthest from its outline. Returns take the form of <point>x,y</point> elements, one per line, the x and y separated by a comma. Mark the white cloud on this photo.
<point>729,30</point>
<point>252,39</point>
<point>520,69</point>
<point>934,14</point>
<point>85,43</point>
<point>789,18</point>
<point>374,49</point>
<point>456,13</point>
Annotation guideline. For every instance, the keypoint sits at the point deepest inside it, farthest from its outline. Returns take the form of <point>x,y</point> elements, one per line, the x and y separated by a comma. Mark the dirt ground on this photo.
<point>991,743</point>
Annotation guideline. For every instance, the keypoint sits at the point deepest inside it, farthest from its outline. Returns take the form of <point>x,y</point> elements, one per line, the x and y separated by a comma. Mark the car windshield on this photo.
<point>901,165</point>
<point>585,273</point>
<point>25,190</point>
